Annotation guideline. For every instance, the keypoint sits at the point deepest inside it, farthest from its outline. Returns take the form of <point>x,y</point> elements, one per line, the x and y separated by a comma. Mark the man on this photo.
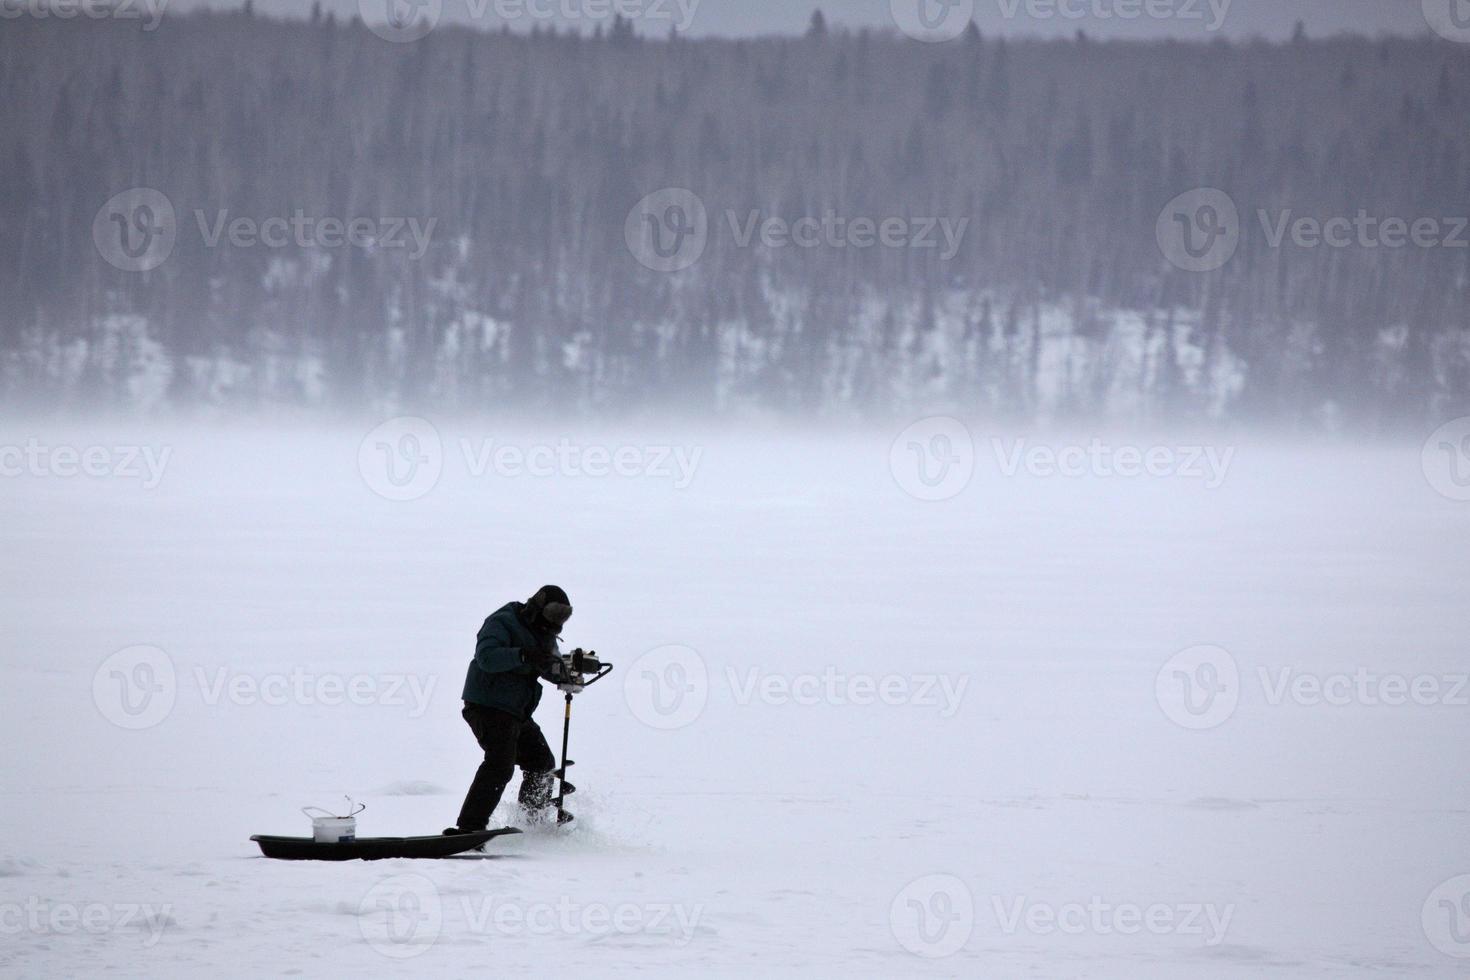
<point>515,648</point>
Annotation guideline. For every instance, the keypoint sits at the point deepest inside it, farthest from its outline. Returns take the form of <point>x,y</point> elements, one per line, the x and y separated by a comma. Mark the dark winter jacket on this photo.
<point>498,677</point>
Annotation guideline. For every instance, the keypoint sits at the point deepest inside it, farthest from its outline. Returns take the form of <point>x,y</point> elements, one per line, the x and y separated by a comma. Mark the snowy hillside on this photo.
<point>235,209</point>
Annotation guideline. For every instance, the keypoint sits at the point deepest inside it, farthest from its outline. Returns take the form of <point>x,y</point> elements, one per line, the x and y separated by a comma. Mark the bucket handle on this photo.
<point>351,812</point>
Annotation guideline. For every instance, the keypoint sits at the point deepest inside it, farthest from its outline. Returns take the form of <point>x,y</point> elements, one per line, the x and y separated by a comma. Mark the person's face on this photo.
<point>555,616</point>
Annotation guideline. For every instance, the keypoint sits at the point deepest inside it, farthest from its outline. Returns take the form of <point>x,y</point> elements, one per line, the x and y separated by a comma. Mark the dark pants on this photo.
<point>508,742</point>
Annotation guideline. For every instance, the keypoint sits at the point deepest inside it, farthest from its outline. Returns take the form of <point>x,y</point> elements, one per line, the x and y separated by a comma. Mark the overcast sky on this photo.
<point>1101,18</point>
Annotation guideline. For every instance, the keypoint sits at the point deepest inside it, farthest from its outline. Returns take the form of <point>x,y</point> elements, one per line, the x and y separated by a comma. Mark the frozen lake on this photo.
<point>1208,720</point>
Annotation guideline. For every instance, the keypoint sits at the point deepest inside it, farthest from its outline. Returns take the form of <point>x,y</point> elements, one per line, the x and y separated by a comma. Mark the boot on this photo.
<point>536,795</point>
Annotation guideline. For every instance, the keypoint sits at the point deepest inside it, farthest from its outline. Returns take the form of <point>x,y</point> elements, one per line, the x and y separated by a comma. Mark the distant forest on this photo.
<point>529,151</point>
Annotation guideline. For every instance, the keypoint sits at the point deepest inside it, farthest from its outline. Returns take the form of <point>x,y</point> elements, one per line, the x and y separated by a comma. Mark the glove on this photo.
<point>543,661</point>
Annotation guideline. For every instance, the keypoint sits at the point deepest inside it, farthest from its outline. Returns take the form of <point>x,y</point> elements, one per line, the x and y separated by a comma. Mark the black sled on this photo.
<point>376,848</point>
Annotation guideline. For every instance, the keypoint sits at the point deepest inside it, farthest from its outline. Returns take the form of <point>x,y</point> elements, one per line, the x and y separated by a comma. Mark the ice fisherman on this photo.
<point>515,648</point>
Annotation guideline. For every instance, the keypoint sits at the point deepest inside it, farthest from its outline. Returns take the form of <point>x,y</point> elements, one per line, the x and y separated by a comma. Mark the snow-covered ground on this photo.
<point>1039,727</point>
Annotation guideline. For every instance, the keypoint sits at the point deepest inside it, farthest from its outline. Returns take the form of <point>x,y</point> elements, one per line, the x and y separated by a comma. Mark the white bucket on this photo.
<point>328,828</point>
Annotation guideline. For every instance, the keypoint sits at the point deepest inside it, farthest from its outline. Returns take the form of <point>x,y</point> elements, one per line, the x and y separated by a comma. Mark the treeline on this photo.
<point>528,153</point>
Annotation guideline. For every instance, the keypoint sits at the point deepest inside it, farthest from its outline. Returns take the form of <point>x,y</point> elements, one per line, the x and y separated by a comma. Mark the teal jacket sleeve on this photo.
<point>493,651</point>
